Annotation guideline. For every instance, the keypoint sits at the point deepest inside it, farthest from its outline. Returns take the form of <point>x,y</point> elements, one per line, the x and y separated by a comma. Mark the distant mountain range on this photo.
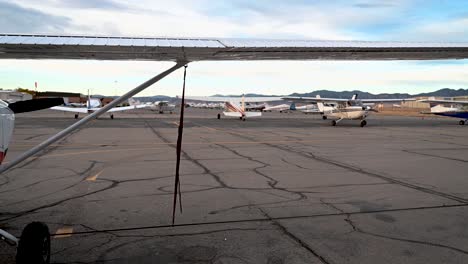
<point>445,92</point>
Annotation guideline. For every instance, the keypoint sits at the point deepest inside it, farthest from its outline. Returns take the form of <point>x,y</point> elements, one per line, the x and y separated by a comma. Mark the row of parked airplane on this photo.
<point>337,109</point>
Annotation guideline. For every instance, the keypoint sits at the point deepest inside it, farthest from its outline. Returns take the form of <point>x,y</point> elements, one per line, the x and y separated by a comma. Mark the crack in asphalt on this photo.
<point>434,155</point>
<point>426,243</point>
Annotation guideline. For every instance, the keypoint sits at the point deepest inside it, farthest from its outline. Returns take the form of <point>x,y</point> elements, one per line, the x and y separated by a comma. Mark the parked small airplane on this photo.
<point>162,106</point>
<point>94,104</point>
<point>339,109</point>
<point>457,109</point>
<point>235,106</point>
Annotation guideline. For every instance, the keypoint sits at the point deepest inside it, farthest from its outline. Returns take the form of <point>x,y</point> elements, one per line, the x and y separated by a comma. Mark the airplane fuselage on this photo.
<point>350,112</point>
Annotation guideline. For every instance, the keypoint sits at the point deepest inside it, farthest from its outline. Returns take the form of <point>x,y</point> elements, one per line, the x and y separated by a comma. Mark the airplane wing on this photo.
<point>233,99</point>
<point>390,100</point>
<point>24,46</point>
<point>443,101</point>
<point>123,108</point>
<point>313,99</point>
<point>70,109</point>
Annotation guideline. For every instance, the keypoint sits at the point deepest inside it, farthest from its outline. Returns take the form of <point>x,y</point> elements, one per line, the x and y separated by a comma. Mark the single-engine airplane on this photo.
<point>339,109</point>
<point>94,104</point>
<point>456,109</point>
<point>235,106</point>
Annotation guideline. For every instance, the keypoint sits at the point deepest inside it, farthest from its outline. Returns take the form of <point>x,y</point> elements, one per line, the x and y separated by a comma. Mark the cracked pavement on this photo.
<point>284,188</point>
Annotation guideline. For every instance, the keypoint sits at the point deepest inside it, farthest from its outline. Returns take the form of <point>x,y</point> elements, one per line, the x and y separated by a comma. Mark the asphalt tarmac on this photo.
<point>283,188</point>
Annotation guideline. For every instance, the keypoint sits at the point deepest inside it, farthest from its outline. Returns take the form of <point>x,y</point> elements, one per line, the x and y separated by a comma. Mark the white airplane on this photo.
<point>162,106</point>
<point>339,109</point>
<point>94,104</point>
<point>236,106</point>
<point>36,245</point>
<point>456,109</point>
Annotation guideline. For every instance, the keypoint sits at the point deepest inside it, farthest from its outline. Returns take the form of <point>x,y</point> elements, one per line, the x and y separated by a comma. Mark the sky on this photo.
<point>382,20</point>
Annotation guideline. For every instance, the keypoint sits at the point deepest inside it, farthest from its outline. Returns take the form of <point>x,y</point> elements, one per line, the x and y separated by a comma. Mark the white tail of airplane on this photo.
<point>320,105</point>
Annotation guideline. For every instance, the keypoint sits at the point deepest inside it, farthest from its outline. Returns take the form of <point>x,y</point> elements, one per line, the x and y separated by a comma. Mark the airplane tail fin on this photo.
<point>320,105</point>
<point>354,97</point>
<point>243,103</point>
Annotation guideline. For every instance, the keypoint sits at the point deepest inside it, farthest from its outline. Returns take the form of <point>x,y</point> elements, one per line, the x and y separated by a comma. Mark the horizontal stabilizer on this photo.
<point>253,114</point>
<point>233,114</point>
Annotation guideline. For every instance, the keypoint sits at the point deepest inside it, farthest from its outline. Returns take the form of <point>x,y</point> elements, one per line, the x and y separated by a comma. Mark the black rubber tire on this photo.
<point>34,245</point>
<point>219,116</point>
<point>333,123</point>
<point>461,123</point>
<point>363,123</point>
<point>240,118</point>
<point>243,119</point>
<point>112,116</point>
<point>324,117</point>
<point>76,116</point>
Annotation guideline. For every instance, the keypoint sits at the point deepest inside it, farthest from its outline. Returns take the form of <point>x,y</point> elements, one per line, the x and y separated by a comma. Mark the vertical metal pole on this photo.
<point>90,117</point>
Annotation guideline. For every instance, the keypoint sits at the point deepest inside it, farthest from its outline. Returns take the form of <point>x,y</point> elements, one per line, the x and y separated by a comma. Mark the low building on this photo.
<point>14,96</point>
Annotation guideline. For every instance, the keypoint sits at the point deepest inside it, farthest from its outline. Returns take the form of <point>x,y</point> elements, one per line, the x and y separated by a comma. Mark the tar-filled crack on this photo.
<point>293,237</point>
<point>434,155</point>
<point>355,228</point>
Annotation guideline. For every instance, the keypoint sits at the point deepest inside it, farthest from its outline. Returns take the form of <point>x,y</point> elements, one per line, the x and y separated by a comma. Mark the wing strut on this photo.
<point>90,117</point>
<point>179,150</point>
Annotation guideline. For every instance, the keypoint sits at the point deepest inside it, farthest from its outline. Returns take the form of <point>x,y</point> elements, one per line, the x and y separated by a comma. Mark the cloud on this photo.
<point>17,19</point>
<point>93,4</point>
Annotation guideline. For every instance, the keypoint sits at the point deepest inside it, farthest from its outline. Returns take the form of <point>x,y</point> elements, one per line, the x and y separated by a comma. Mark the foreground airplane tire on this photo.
<point>76,116</point>
<point>333,123</point>
<point>219,116</point>
<point>112,116</point>
<point>324,117</point>
<point>34,244</point>
<point>461,123</point>
<point>363,123</point>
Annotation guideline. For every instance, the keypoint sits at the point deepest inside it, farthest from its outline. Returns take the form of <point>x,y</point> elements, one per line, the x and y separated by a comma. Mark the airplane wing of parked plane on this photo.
<point>70,109</point>
<point>325,100</point>
<point>443,101</point>
<point>233,99</point>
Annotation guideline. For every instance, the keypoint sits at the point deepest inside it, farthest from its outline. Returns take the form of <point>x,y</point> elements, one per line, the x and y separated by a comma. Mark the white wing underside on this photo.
<point>24,46</point>
<point>85,110</point>
<point>338,100</point>
<point>233,99</point>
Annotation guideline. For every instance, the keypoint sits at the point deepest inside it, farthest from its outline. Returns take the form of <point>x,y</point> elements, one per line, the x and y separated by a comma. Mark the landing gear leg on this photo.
<point>461,123</point>
<point>363,123</point>
<point>335,122</point>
